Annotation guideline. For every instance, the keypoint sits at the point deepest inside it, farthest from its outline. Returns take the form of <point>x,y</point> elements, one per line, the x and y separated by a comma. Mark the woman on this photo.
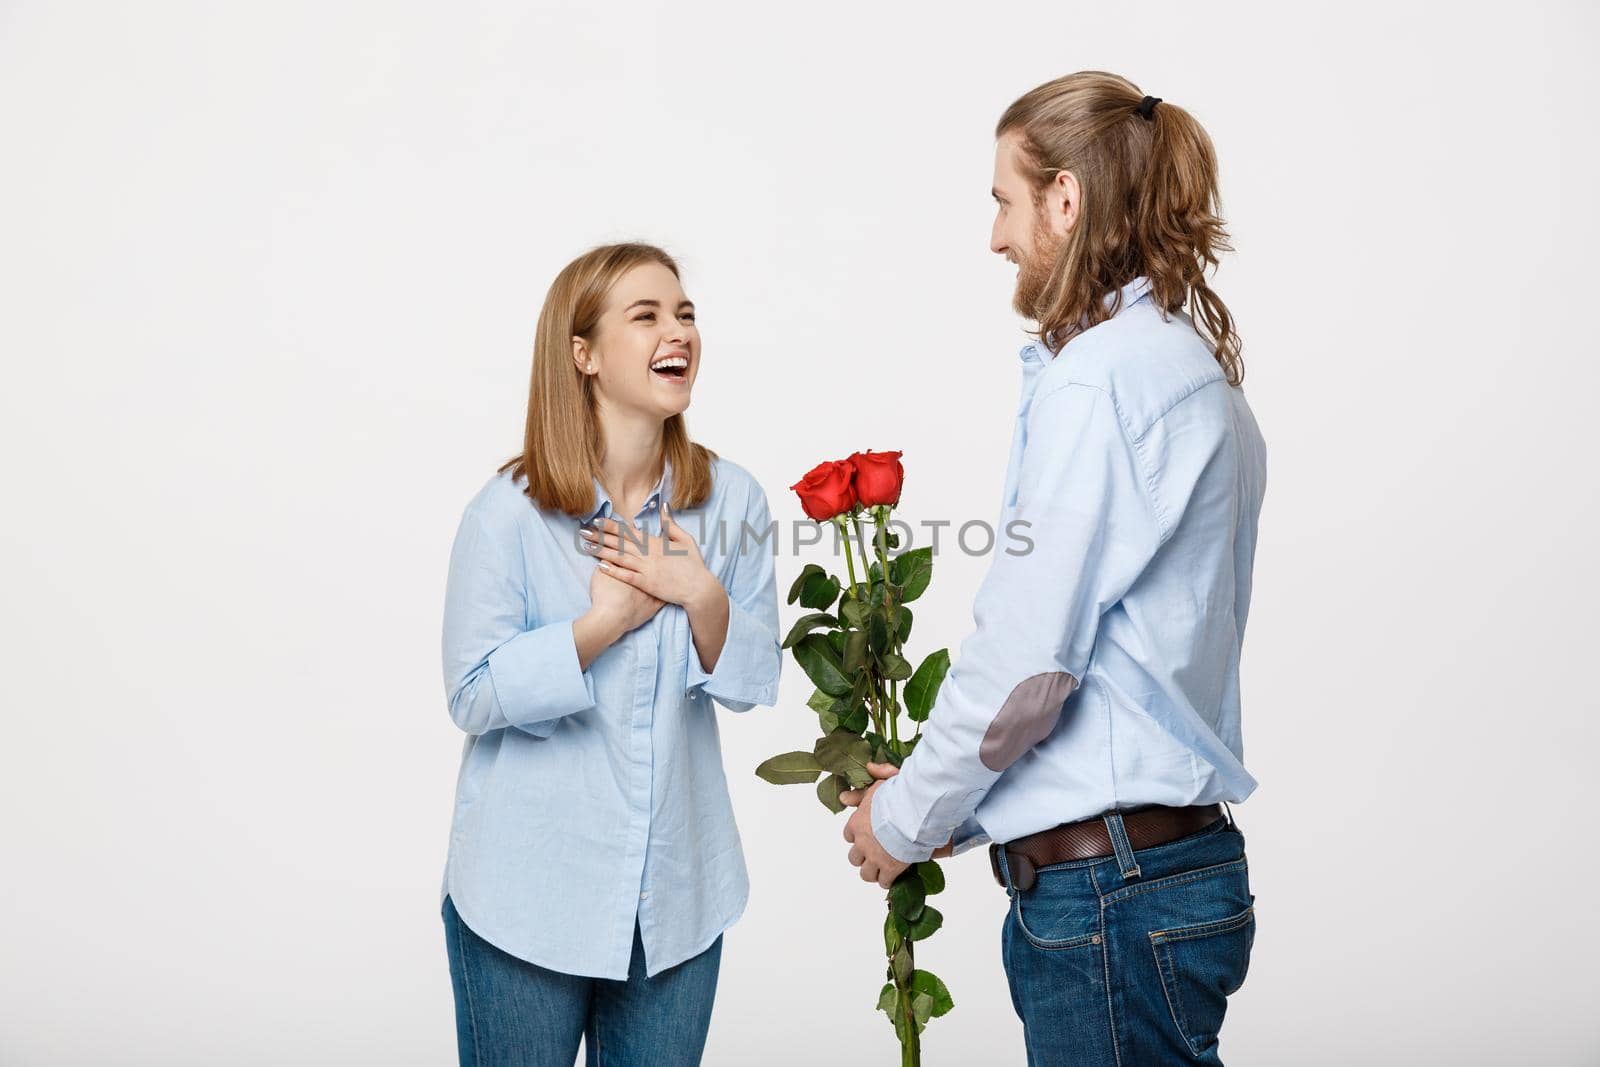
<point>592,613</point>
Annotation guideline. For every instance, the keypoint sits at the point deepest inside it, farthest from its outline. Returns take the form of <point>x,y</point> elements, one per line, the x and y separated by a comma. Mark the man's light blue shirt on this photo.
<point>587,798</point>
<point>1103,670</point>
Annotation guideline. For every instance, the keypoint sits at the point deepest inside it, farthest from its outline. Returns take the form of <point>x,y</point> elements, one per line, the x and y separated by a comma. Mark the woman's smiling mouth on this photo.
<point>673,368</point>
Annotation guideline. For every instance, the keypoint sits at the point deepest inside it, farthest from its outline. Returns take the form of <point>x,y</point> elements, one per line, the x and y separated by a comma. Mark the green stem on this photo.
<point>880,518</point>
<point>849,559</point>
<point>856,520</point>
<point>910,1051</point>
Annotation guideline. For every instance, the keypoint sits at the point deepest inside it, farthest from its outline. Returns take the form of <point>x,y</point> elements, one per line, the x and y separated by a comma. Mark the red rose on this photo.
<point>826,490</point>
<point>878,477</point>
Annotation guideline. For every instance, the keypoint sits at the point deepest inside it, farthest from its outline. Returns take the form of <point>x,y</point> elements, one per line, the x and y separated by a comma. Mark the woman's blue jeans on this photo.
<point>1128,961</point>
<point>514,1013</point>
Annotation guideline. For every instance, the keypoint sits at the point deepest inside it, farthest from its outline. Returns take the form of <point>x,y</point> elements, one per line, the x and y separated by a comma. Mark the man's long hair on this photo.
<point>1150,205</point>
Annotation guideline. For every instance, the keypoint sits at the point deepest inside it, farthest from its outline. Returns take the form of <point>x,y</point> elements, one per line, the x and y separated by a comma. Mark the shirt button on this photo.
<point>645,895</point>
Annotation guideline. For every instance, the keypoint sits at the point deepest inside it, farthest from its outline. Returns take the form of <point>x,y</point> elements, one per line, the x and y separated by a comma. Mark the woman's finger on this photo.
<point>881,771</point>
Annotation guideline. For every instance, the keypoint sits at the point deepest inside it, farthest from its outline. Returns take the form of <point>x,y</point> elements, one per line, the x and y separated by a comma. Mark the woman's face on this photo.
<point>646,348</point>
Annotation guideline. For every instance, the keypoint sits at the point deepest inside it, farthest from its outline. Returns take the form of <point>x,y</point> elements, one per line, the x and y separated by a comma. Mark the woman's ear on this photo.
<point>582,358</point>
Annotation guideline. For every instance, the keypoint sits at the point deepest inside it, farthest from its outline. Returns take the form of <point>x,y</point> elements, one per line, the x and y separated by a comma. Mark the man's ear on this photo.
<point>1063,203</point>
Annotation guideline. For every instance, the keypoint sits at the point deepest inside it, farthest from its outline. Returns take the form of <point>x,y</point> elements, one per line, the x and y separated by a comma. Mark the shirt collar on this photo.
<point>1131,294</point>
<point>662,491</point>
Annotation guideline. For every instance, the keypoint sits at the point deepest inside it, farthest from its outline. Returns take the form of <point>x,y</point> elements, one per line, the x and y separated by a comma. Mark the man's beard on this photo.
<point>1033,270</point>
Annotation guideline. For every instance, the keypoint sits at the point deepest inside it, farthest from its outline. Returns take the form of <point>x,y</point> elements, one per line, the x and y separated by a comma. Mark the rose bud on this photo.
<point>827,489</point>
<point>878,477</point>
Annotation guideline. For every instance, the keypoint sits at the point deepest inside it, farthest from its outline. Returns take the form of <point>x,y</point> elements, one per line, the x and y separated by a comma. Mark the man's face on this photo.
<point>1028,231</point>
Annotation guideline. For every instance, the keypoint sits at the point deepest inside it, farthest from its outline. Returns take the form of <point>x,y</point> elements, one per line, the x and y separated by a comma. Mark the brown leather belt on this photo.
<point>1088,839</point>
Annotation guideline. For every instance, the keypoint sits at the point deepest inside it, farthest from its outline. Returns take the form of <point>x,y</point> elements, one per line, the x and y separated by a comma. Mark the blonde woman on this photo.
<point>592,615</point>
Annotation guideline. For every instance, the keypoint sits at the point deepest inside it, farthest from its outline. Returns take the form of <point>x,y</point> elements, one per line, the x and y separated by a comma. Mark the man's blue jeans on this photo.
<point>1128,961</point>
<point>514,1013</point>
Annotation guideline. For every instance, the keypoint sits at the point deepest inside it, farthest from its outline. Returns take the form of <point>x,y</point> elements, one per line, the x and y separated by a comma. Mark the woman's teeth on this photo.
<point>671,367</point>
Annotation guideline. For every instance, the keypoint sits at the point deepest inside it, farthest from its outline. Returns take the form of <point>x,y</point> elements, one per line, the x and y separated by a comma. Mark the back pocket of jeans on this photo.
<point>1201,966</point>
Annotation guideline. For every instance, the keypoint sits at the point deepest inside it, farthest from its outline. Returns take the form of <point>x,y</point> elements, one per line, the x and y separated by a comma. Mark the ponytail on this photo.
<point>1148,172</point>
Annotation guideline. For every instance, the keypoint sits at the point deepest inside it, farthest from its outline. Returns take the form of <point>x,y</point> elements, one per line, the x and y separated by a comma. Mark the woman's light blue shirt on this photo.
<point>587,798</point>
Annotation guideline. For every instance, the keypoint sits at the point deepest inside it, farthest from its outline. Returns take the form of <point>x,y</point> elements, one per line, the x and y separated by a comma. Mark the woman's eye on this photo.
<point>647,316</point>
<point>687,315</point>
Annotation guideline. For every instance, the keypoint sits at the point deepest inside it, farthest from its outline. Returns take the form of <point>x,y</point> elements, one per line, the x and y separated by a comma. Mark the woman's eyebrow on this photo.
<point>654,304</point>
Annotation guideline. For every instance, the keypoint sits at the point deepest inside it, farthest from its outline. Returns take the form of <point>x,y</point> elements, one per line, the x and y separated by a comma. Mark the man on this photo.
<point>1091,720</point>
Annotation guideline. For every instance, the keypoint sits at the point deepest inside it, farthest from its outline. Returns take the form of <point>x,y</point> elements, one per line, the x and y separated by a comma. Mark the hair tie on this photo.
<point>1147,107</point>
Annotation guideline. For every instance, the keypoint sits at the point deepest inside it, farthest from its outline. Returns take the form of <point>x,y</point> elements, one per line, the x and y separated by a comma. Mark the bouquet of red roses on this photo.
<point>851,644</point>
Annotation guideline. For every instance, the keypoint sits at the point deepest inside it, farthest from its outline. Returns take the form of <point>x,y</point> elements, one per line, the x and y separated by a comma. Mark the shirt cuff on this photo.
<point>968,835</point>
<point>746,673</point>
<point>537,679</point>
<point>899,845</point>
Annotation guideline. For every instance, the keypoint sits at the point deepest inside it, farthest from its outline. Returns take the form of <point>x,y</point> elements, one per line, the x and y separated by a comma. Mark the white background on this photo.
<point>268,281</point>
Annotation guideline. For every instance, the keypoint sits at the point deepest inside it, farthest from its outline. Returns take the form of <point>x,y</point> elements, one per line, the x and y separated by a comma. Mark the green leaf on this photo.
<point>904,629</point>
<point>819,591</point>
<point>821,664</point>
<point>836,642</point>
<point>911,570</point>
<point>921,1007</point>
<point>806,623</point>
<point>924,684</point>
<point>819,701</point>
<point>890,538</point>
<point>854,720</point>
<point>855,652</point>
<point>828,790</point>
<point>854,613</point>
<point>932,876</point>
<point>892,937</point>
<point>888,999</point>
<point>900,964</point>
<point>928,982</point>
<point>906,897</point>
<point>878,633</point>
<point>927,924</point>
<point>800,580</point>
<point>846,755</point>
<point>895,668</point>
<point>791,768</point>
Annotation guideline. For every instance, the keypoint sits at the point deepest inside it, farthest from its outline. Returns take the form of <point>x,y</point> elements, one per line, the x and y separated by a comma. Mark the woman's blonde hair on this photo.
<point>563,443</point>
<point>1149,205</point>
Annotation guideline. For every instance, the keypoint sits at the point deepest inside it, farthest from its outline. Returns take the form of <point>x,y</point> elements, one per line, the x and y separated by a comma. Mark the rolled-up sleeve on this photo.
<point>747,668</point>
<point>497,673</point>
<point>1093,523</point>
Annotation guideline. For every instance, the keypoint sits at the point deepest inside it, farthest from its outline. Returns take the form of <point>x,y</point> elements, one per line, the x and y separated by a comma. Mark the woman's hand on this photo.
<point>615,607</point>
<point>668,568</point>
